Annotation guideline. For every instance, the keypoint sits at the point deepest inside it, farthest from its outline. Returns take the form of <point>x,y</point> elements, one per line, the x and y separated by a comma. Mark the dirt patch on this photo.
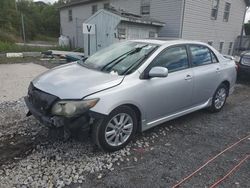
<point>14,148</point>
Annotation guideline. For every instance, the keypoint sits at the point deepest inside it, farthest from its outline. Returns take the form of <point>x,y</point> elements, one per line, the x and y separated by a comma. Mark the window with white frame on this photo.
<point>94,9</point>
<point>152,34</point>
<point>215,8</point>
<point>226,12</point>
<point>145,8</point>
<point>70,15</point>
<point>230,48</point>
<point>121,33</point>
<point>221,47</point>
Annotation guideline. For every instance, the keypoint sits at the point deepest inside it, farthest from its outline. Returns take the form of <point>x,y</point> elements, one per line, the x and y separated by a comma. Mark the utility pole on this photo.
<point>76,32</point>
<point>15,5</point>
<point>23,29</point>
<point>22,21</point>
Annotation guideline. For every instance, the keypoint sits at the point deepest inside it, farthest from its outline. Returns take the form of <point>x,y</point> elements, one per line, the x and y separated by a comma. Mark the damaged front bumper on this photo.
<point>40,103</point>
<point>57,121</point>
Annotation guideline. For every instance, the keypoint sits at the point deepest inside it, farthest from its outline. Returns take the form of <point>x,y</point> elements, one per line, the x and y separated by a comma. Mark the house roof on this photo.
<point>79,2</point>
<point>129,17</point>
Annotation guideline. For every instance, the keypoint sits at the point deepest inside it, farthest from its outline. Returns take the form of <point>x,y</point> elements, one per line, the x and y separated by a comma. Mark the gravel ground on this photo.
<point>33,156</point>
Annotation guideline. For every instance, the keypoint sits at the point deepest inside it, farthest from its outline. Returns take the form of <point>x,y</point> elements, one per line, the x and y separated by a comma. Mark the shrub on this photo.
<point>7,37</point>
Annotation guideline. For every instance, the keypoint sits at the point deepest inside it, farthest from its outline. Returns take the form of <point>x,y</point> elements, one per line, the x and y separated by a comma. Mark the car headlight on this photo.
<point>245,61</point>
<point>73,108</point>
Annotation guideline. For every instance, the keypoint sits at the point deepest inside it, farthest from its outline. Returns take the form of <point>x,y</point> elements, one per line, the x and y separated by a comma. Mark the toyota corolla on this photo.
<point>130,87</point>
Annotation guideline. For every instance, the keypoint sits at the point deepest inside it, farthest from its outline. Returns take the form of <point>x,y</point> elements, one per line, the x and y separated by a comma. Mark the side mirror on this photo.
<point>158,72</point>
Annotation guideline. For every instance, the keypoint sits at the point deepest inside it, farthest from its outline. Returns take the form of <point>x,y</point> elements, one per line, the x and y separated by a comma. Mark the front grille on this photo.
<point>40,100</point>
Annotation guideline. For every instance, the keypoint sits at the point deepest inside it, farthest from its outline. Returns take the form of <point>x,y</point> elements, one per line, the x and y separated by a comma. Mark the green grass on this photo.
<point>7,37</point>
<point>12,47</point>
<point>52,40</point>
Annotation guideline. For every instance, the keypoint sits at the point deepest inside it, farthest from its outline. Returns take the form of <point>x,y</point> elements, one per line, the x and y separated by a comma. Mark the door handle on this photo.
<point>188,77</point>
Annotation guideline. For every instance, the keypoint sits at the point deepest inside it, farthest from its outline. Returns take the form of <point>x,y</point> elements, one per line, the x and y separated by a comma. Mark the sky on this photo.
<point>47,1</point>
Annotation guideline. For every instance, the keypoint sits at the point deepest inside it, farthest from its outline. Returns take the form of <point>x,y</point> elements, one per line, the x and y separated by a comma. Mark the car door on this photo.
<point>206,70</point>
<point>166,96</point>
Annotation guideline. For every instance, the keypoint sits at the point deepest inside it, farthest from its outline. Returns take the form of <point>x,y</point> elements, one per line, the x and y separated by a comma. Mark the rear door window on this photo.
<point>201,55</point>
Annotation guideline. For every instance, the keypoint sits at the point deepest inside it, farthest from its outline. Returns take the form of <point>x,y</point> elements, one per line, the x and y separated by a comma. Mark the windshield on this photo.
<point>119,58</point>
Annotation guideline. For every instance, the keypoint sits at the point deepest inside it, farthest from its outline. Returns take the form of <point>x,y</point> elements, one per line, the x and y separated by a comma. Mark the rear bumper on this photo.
<point>58,121</point>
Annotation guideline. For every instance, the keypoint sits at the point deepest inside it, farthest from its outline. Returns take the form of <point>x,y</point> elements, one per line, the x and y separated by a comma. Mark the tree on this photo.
<point>8,15</point>
<point>39,18</point>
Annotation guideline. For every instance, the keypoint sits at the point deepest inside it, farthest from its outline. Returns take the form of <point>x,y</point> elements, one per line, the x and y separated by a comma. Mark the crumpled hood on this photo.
<point>73,81</point>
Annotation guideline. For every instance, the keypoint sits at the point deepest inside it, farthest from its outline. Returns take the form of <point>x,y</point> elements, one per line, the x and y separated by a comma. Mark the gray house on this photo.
<point>217,22</point>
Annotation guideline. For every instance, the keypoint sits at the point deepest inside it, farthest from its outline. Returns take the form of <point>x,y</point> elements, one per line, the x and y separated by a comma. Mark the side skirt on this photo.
<point>175,115</point>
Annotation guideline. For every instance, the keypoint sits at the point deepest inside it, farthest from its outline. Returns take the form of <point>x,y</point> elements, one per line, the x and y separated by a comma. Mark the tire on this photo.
<point>219,98</point>
<point>110,134</point>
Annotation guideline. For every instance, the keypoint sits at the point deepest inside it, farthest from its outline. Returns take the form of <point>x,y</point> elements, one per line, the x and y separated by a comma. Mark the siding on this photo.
<point>199,26</point>
<point>132,6</point>
<point>106,25</point>
<point>106,30</point>
<point>167,11</point>
<point>137,31</point>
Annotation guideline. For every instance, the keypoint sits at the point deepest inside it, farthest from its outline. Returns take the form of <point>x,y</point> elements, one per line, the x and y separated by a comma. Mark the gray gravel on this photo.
<point>48,161</point>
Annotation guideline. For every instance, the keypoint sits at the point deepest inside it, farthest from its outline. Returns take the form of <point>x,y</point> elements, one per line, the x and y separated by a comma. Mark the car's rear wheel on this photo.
<point>117,130</point>
<point>219,98</point>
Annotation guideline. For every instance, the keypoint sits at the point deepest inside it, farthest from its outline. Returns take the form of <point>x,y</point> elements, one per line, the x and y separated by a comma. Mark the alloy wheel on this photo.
<point>220,98</point>
<point>119,129</point>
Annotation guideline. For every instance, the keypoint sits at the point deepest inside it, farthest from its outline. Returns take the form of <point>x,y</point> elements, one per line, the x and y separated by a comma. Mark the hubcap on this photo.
<point>220,98</point>
<point>119,129</point>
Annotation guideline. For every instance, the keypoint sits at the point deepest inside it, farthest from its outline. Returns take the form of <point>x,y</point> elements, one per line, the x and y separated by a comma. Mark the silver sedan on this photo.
<point>130,87</point>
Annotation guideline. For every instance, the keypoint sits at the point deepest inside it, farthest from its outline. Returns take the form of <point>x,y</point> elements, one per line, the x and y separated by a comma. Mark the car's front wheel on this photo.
<point>219,98</point>
<point>117,130</point>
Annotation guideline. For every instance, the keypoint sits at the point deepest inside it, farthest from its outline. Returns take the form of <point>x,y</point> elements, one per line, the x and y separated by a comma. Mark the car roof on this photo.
<point>168,41</point>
